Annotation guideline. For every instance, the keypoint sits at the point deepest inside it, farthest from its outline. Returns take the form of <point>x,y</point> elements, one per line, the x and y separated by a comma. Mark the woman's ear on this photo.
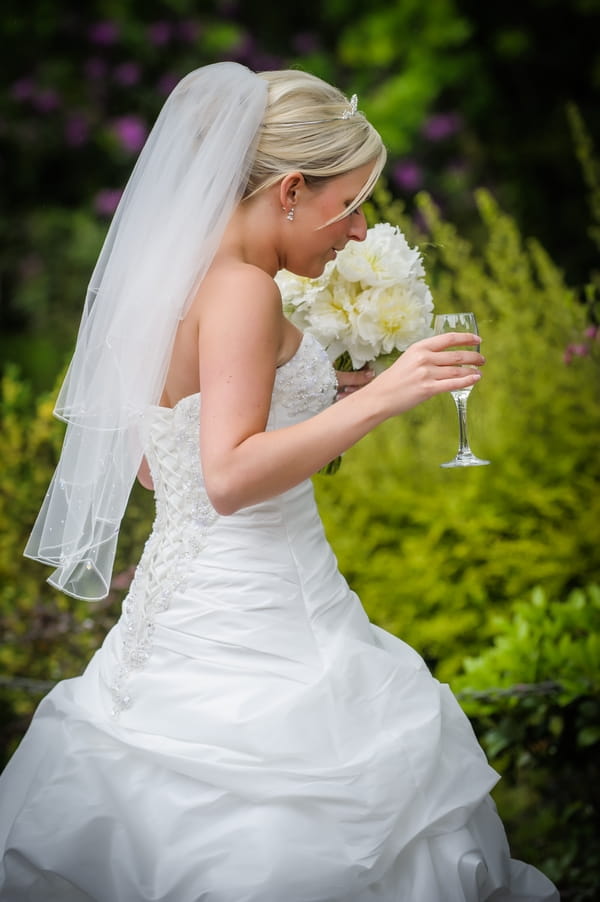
<point>290,188</point>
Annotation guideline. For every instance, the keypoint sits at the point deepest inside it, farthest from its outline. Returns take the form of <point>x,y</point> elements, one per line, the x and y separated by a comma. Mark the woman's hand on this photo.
<point>427,368</point>
<point>350,381</point>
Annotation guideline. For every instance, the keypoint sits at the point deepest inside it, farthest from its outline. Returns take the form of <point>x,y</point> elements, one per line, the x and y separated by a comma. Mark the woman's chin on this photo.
<point>309,272</point>
<point>319,268</point>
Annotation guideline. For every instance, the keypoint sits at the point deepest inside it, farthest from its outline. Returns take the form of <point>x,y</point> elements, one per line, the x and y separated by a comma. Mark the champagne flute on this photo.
<point>460,322</point>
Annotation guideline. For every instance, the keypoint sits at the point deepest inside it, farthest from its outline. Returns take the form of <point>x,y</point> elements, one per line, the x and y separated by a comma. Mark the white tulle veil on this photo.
<point>188,178</point>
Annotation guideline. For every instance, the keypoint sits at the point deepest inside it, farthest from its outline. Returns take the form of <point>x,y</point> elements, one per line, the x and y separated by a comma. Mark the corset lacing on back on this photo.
<point>184,515</point>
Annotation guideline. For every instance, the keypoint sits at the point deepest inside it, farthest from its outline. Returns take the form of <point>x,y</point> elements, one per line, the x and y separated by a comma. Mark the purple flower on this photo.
<point>262,62</point>
<point>166,83</point>
<point>408,175</point>
<point>46,100</point>
<point>575,350</point>
<point>23,89</point>
<point>592,332</point>
<point>188,30</point>
<point>305,42</point>
<point>159,33</point>
<point>227,8</point>
<point>77,130</point>
<point>580,350</point>
<point>96,68</point>
<point>131,132</point>
<point>107,200</point>
<point>127,74</point>
<point>441,126</point>
<point>104,33</point>
<point>244,49</point>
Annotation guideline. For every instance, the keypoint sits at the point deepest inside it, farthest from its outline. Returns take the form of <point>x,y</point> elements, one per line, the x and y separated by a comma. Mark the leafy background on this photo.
<point>490,113</point>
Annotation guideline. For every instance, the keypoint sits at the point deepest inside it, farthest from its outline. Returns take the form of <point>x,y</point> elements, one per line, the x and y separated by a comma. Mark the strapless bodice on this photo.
<point>303,386</point>
<point>185,516</point>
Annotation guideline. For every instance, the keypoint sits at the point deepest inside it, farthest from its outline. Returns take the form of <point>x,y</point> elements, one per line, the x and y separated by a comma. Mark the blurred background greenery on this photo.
<point>490,112</point>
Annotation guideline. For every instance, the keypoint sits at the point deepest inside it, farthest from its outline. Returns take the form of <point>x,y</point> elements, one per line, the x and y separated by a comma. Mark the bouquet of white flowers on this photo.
<point>370,304</point>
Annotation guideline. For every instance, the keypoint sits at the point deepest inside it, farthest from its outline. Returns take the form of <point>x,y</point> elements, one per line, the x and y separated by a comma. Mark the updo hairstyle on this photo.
<point>303,130</point>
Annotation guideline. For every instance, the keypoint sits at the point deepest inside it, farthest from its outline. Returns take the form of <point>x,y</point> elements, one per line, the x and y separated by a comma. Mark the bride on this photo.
<point>244,734</point>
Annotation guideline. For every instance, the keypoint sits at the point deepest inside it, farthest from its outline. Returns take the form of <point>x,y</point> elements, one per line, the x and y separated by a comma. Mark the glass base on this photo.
<point>466,460</point>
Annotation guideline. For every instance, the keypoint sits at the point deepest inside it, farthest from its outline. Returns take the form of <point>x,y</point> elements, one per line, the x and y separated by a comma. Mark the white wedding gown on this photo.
<point>245,734</point>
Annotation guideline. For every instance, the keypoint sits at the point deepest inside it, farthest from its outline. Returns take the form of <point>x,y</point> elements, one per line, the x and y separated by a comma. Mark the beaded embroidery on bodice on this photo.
<point>303,386</point>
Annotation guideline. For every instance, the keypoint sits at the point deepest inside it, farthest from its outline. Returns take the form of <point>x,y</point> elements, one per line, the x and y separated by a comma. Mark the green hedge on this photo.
<point>46,636</point>
<point>435,553</point>
<point>534,698</point>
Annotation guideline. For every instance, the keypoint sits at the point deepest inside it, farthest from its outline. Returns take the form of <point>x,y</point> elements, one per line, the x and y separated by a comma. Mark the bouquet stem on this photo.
<point>342,364</point>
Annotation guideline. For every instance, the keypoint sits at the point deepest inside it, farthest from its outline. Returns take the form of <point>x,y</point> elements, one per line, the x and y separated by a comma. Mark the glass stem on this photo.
<point>461,406</point>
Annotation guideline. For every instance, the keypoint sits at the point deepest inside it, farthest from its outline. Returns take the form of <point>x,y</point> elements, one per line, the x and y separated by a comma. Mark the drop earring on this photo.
<point>290,215</point>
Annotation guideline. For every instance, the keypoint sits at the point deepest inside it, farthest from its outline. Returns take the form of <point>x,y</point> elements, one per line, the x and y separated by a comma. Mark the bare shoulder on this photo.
<point>233,283</point>
<point>238,306</point>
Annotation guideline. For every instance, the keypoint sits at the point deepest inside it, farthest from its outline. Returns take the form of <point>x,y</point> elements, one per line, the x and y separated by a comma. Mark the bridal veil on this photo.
<point>188,178</point>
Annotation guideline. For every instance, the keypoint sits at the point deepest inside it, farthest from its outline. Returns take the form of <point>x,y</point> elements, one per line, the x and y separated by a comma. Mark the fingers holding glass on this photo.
<point>462,323</point>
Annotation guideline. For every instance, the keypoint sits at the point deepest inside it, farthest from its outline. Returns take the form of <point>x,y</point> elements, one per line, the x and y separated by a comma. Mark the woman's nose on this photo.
<point>358,226</point>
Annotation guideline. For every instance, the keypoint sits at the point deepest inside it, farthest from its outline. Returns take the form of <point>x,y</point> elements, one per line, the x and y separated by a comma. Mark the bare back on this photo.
<point>183,377</point>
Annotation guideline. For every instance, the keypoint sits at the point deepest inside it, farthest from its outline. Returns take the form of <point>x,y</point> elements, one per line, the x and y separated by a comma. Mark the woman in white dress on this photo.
<point>244,734</point>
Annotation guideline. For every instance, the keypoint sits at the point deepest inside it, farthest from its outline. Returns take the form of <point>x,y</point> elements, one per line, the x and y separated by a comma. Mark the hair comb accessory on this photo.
<point>347,114</point>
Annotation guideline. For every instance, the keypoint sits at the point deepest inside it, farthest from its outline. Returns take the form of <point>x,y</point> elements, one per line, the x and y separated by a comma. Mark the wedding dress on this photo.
<point>245,734</point>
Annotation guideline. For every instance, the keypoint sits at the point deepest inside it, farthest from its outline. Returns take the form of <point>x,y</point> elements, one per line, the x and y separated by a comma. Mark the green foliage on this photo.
<point>84,86</point>
<point>30,621</point>
<point>544,640</point>
<point>65,244</point>
<point>534,698</point>
<point>590,167</point>
<point>45,635</point>
<point>435,553</point>
<point>416,72</point>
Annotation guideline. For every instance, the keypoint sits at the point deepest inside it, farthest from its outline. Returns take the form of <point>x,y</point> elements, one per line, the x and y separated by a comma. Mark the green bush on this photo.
<point>45,635</point>
<point>435,553</point>
<point>55,274</point>
<point>534,699</point>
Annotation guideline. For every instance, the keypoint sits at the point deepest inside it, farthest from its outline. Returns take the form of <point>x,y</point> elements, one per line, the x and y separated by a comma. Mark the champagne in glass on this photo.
<point>460,322</point>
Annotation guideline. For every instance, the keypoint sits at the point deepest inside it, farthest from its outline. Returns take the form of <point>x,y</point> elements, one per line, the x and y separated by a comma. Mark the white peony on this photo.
<point>297,293</point>
<point>383,258</point>
<point>372,301</point>
<point>329,314</point>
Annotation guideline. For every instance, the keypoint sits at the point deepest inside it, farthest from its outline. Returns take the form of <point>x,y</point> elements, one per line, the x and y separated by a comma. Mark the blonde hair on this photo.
<point>303,130</point>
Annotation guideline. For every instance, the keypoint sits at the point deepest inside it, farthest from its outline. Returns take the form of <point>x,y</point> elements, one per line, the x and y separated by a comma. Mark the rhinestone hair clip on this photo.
<point>347,114</point>
<point>351,111</point>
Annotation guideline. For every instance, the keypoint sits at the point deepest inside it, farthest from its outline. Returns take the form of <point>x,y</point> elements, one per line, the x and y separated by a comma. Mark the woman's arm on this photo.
<point>145,476</point>
<point>240,334</point>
